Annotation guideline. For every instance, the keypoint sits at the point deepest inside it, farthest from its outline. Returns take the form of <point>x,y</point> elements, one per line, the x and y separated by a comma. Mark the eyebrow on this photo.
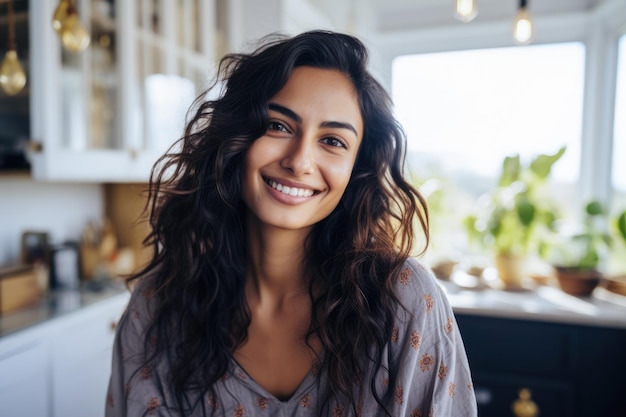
<point>293,115</point>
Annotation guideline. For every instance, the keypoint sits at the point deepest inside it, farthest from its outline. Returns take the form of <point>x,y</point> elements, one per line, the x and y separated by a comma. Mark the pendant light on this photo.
<point>465,10</point>
<point>523,28</point>
<point>66,23</point>
<point>12,76</point>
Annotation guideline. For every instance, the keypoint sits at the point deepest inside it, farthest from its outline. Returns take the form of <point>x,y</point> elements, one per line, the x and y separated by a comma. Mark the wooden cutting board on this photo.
<point>19,288</point>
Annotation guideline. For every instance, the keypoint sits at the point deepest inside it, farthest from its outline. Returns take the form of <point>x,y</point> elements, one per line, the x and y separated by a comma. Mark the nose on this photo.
<point>299,158</point>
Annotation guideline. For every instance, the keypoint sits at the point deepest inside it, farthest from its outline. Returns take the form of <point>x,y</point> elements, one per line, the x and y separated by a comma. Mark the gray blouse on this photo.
<point>426,347</point>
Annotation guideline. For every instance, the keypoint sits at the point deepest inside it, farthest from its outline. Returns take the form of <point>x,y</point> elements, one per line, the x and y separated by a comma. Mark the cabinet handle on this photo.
<point>113,326</point>
<point>524,406</point>
<point>33,146</point>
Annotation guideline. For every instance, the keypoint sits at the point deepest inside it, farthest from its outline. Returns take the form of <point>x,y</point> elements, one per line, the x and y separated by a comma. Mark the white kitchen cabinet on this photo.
<point>81,359</point>
<point>107,113</point>
<point>24,379</point>
<point>61,367</point>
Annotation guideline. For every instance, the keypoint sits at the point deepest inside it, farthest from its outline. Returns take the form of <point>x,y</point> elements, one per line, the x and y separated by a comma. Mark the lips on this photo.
<point>290,190</point>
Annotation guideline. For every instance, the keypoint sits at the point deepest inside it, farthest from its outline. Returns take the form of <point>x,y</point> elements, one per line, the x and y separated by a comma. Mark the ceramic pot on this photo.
<point>579,282</point>
<point>511,270</point>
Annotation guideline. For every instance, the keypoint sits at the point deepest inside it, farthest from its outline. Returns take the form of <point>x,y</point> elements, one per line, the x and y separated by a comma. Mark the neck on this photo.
<point>275,260</point>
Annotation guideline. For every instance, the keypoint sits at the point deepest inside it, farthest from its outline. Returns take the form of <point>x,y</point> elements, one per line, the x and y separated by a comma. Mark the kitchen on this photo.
<point>80,177</point>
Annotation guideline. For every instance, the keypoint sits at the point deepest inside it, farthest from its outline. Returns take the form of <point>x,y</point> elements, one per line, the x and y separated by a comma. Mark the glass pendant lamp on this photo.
<point>523,27</point>
<point>466,10</point>
<point>12,76</point>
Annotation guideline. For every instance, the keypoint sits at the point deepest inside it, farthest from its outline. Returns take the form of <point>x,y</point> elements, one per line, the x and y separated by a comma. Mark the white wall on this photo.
<point>250,20</point>
<point>61,209</point>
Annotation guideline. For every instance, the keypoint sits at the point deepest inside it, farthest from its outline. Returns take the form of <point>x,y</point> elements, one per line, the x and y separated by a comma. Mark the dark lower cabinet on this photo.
<point>570,370</point>
<point>496,393</point>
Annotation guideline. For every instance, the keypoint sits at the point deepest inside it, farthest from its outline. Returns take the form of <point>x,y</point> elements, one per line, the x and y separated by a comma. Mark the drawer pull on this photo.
<point>524,406</point>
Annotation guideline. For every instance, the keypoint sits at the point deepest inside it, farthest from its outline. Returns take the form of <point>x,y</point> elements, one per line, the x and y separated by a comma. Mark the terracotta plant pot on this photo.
<point>576,281</point>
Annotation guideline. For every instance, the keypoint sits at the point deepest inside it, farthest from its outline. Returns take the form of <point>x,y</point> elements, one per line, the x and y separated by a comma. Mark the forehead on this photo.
<point>311,78</point>
<point>321,93</point>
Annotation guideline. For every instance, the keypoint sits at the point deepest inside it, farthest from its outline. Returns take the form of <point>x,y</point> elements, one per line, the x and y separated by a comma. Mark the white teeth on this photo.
<point>292,191</point>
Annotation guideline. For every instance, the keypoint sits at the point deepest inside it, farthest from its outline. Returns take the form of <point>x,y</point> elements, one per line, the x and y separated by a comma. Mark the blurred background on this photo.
<point>514,116</point>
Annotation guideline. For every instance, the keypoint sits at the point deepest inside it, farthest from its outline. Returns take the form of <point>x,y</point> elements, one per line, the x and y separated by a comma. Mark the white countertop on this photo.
<point>56,304</point>
<point>539,303</point>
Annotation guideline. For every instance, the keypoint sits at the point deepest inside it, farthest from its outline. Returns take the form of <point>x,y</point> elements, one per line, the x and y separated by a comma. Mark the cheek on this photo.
<point>253,159</point>
<point>263,151</point>
<point>339,175</point>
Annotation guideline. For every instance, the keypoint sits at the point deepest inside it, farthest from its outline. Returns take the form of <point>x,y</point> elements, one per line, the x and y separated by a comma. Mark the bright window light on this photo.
<point>465,111</point>
<point>619,134</point>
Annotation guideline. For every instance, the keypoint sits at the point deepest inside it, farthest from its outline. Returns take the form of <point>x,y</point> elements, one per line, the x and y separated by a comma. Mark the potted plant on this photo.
<point>513,217</point>
<point>578,253</point>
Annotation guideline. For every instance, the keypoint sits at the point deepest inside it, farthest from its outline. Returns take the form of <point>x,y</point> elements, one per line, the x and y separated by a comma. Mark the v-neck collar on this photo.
<point>239,372</point>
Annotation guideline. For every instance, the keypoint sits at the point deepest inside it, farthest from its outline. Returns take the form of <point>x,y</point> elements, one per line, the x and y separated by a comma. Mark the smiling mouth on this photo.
<point>292,191</point>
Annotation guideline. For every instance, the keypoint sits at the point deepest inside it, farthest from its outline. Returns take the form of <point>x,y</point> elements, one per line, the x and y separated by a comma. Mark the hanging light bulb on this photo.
<point>12,76</point>
<point>60,15</point>
<point>523,28</point>
<point>465,10</point>
<point>74,36</point>
<point>66,23</point>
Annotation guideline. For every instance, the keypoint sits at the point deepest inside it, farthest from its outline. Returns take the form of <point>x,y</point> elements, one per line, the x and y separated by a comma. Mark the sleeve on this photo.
<point>434,378</point>
<point>135,387</point>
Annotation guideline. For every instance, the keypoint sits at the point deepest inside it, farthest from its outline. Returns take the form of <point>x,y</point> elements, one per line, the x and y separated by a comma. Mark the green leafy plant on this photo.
<point>513,218</point>
<point>620,225</point>
<point>618,251</point>
<point>585,248</point>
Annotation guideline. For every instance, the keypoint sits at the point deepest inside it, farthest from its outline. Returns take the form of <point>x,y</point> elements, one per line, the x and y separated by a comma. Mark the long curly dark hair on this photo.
<point>197,223</point>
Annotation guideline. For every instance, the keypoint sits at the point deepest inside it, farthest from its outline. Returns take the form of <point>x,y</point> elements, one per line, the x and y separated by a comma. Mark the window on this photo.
<point>464,111</point>
<point>617,262</point>
<point>619,133</point>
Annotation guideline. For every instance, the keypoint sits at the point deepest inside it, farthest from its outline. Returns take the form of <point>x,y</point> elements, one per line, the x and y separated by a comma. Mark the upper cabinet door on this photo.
<point>107,113</point>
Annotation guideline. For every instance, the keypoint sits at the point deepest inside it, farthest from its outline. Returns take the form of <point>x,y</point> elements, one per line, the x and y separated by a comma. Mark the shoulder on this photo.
<point>413,273</point>
<point>423,306</point>
<point>416,285</point>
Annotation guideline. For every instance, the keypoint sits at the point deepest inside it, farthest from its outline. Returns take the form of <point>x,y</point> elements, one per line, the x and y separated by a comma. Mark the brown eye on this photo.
<point>277,126</point>
<point>335,142</point>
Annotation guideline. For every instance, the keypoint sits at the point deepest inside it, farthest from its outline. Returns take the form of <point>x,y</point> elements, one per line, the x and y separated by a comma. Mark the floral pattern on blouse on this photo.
<point>425,346</point>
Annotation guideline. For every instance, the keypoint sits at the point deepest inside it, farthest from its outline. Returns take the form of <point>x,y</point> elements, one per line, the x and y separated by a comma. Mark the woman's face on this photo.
<point>296,173</point>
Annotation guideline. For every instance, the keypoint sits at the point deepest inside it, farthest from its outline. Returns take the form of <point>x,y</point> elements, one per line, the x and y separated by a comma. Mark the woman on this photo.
<point>281,282</point>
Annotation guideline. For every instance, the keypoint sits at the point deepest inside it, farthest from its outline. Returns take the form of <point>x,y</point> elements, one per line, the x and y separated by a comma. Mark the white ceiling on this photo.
<point>388,15</point>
